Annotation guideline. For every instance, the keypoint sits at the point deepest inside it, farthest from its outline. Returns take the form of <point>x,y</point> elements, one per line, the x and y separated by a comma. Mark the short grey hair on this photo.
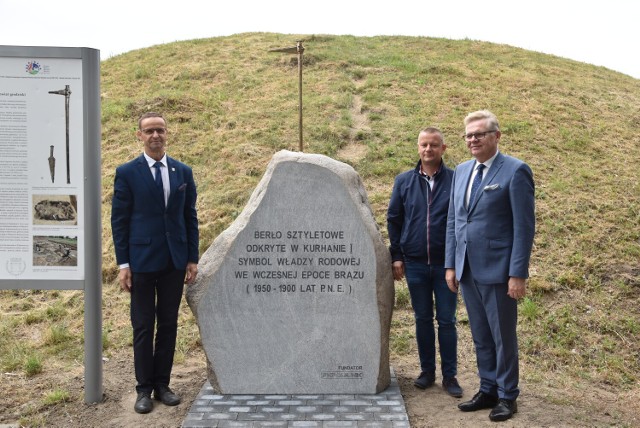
<point>492,120</point>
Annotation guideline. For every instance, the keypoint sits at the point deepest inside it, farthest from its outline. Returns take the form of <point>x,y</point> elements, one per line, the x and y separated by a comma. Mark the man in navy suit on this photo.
<point>490,232</point>
<point>155,234</point>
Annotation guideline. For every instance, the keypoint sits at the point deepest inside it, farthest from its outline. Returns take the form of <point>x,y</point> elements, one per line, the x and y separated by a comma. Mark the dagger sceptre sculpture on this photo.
<point>52,165</point>
<point>67,94</point>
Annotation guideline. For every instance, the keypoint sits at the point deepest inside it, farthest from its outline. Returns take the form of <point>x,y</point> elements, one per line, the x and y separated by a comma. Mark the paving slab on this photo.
<point>383,410</point>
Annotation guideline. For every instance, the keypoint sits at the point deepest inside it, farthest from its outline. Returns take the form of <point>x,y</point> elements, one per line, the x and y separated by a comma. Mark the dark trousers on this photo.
<point>155,297</point>
<point>493,317</point>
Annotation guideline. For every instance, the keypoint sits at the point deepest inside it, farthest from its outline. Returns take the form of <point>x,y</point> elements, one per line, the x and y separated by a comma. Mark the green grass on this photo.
<point>57,335</point>
<point>402,341</point>
<point>229,109</point>
<point>33,365</point>
<point>529,309</point>
<point>13,357</point>
<point>56,396</point>
<point>403,299</point>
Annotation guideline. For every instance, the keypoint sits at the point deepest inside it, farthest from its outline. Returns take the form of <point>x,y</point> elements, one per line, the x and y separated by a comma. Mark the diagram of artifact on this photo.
<point>55,210</point>
<point>52,165</point>
<point>67,94</point>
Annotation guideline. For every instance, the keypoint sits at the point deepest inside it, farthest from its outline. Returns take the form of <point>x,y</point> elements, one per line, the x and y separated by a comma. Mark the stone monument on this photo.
<point>296,296</point>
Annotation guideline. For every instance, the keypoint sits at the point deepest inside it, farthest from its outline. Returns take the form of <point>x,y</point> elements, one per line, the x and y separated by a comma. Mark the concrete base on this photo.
<point>384,410</point>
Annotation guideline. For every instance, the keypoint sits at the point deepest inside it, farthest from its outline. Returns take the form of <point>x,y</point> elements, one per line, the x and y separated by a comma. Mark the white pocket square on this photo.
<point>491,187</point>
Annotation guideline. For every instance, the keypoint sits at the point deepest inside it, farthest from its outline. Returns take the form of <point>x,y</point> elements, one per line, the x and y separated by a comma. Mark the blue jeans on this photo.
<point>424,283</point>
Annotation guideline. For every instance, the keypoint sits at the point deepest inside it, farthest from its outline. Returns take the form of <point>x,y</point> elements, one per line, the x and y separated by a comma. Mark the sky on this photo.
<point>603,33</point>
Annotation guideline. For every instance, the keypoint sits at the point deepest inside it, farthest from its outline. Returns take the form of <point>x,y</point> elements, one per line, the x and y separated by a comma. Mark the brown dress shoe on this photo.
<point>480,401</point>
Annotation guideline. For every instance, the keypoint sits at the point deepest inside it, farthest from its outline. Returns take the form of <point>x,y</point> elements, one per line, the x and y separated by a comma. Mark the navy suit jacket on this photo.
<point>496,232</point>
<point>145,233</point>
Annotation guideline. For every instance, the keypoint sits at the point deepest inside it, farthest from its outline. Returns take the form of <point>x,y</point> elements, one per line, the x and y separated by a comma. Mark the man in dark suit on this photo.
<point>155,234</point>
<point>490,232</point>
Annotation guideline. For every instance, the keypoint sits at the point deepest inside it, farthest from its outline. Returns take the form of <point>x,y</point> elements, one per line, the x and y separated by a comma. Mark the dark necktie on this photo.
<point>157,166</point>
<point>476,184</point>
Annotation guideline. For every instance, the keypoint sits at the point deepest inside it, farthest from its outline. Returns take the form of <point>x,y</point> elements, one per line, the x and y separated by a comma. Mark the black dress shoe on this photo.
<point>481,400</point>
<point>143,403</point>
<point>504,410</point>
<point>166,396</point>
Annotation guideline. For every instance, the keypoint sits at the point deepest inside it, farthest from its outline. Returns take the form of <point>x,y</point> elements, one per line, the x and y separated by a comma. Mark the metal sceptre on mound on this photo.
<point>299,49</point>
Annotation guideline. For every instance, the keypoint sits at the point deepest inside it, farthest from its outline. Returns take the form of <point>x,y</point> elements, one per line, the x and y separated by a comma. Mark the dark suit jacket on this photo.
<point>496,232</point>
<point>145,233</point>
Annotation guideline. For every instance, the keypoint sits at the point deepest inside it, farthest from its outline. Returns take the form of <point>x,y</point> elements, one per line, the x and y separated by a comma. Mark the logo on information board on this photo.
<point>16,266</point>
<point>33,67</point>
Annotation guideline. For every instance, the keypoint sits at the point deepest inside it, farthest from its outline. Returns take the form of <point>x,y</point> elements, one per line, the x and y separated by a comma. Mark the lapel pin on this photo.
<point>173,169</point>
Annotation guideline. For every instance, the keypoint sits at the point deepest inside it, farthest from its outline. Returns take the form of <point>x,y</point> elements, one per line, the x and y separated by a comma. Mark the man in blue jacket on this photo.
<point>490,234</point>
<point>417,222</point>
<point>155,234</point>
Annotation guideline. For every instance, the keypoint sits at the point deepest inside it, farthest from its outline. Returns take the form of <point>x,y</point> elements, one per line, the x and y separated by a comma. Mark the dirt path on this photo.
<point>540,405</point>
<point>119,397</point>
<point>355,149</point>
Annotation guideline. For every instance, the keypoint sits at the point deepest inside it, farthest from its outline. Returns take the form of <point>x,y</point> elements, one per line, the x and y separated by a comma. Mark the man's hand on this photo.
<point>124,277</point>
<point>517,288</point>
<point>398,270</point>
<point>452,282</point>
<point>192,272</point>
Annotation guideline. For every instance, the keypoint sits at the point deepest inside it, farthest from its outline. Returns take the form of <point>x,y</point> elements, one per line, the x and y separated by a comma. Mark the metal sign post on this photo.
<point>299,49</point>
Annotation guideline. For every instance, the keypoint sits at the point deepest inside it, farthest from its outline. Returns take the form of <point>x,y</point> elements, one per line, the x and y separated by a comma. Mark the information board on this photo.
<point>50,228</point>
<point>49,149</point>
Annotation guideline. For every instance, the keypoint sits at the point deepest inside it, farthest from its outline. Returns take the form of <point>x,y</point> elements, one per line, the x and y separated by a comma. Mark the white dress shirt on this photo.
<point>487,166</point>
<point>165,174</point>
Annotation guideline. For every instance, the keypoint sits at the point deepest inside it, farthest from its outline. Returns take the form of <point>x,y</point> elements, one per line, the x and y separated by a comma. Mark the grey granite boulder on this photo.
<point>296,296</point>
